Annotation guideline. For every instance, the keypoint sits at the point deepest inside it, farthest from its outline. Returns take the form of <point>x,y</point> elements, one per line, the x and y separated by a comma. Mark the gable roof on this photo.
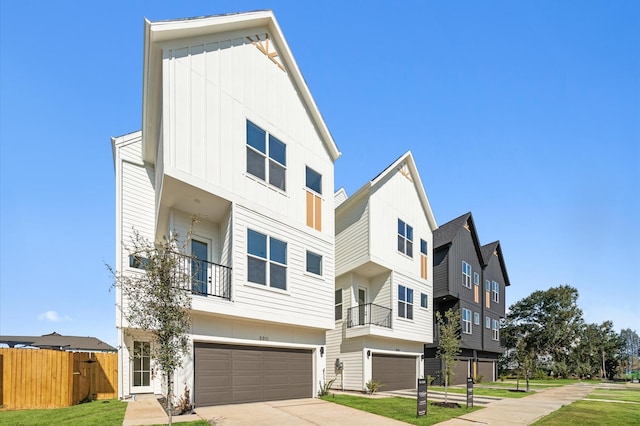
<point>58,341</point>
<point>406,158</point>
<point>487,254</point>
<point>159,31</point>
<point>445,235</point>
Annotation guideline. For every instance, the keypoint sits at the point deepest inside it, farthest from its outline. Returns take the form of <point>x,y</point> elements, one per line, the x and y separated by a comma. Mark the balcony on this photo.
<point>369,314</point>
<point>207,278</point>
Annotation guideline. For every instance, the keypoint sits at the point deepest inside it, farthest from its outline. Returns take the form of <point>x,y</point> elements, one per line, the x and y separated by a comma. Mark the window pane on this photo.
<point>146,363</point>
<point>257,270</point>
<point>314,263</point>
<point>314,180</point>
<point>423,247</point>
<point>338,313</point>
<point>409,248</point>
<point>401,309</point>
<point>257,243</point>
<point>255,164</point>
<point>278,277</point>
<point>424,301</point>
<point>401,293</point>
<point>338,296</point>
<point>277,175</point>
<point>255,137</point>
<point>278,251</point>
<point>401,243</point>
<point>409,233</point>
<point>137,379</point>
<point>409,295</point>
<point>410,311</point>
<point>401,227</point>
<point>277,150</point>
<point>145,378</point>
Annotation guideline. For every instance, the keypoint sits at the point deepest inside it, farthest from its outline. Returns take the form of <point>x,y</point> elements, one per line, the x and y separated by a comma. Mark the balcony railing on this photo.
<point>207,278</point>
<point>369,314</point>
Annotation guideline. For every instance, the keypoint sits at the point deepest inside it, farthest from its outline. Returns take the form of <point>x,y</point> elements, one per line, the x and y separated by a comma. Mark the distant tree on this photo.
<point>629,351</point>
<point>158,302</point>
<point>550,322</point>
<point>448,345</point>
<point>597,350</point>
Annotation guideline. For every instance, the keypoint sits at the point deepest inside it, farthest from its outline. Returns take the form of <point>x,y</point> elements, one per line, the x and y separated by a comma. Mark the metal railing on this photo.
<point>207,278</point>
<point>369,314</point>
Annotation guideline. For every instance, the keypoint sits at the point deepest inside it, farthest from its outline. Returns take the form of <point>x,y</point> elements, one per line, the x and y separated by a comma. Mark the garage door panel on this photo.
<point>226,374</point>
<point>394,372</point>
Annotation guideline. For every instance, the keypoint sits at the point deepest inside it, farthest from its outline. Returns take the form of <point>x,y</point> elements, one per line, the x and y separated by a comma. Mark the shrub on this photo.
<point>324,389</point>
<point>373,386</point>
<point>479,378</point>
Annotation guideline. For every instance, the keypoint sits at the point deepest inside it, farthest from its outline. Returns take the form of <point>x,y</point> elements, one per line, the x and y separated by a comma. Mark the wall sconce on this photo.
<point>321,351</point>
<point>422,357</point>
<point>368,354</point>
<point>339,364</point>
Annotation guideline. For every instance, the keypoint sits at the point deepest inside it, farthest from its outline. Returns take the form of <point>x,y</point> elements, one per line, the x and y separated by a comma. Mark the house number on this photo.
<point>264,337</point>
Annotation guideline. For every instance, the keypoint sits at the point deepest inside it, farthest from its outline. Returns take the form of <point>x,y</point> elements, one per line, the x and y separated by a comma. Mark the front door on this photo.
<point>362,306</point>
<point>141,367</point>
<point>199,267</point>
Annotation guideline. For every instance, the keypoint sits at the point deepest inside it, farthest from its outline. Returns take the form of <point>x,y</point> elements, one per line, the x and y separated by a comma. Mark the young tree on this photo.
<point>449,344</point>
<point>525,359</point>
<point>158,302</point>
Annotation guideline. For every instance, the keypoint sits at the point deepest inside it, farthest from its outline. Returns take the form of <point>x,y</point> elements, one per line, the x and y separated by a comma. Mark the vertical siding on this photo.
<point>441,272</point>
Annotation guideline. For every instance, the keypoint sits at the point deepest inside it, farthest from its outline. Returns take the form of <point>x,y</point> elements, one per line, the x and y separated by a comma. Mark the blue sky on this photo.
<point>525,113</point>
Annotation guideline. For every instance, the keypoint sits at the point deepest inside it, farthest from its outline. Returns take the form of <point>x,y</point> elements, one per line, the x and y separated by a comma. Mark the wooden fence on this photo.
<point>43,378</point>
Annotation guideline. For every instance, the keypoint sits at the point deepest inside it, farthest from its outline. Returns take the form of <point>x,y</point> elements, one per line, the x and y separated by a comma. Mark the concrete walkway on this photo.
<point>523,411</point>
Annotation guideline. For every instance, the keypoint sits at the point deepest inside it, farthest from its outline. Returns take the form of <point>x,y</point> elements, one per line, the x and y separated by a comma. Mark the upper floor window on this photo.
<point>266,260</point>
<point>476,278</point>
<point>266,156</point>
<point>424,256</point>
<point>313,183</point>
<point>495,330</point>
<point>338,304</point>
<point>424,300</point>
<point>138,262</point>
<point>466,274</point>
<point>405,238</point>
<point>405,302</point>
<point>487,322</point>
<point>314,263</point>
<point>466,321</point>
<point>476,318</point>
<point>495,292</point>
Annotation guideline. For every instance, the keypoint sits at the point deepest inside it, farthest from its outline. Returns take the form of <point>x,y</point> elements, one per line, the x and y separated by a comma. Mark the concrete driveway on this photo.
<point>309,411</point>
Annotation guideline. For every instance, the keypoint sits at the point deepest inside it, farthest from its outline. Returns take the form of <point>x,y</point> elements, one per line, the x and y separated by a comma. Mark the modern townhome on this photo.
<point>471,279</point>
<point>384,281</point>
<point>231,136</point>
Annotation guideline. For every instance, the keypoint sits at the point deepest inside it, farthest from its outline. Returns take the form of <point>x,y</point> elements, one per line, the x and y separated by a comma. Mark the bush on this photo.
<point>479,378</point>
<point>324,389</point>
<point>373,386</point>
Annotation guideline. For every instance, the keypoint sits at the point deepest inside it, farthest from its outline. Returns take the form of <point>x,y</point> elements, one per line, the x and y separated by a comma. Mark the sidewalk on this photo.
<point>523,411</point>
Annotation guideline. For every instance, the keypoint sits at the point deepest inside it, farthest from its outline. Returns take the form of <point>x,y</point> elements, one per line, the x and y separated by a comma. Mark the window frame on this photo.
<point>466,275</point>
<point>405,238</point>
<point>466,322</point>
<point>424,298</point>
<point>268,156</point>
<point>267,260</point>
<point>337,306</point>
<point>495,330</point>
<point>405,300</point>
<point>495,292</point>
<point>476,318</point>
<point>321,261</point>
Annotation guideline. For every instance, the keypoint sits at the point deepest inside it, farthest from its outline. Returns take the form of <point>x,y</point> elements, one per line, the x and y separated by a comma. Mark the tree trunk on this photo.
<point>169,404</point>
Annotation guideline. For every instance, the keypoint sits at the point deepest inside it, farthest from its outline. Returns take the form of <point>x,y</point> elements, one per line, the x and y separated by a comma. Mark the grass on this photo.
<point>402,409</point>
<point>477,391</point>
<point>537,384</point>
<point>593,413</point>
<point>106,412</point>
<point>627,395</point>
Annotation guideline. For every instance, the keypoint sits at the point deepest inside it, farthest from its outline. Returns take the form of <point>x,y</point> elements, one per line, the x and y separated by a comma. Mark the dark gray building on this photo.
<point>471,279</point>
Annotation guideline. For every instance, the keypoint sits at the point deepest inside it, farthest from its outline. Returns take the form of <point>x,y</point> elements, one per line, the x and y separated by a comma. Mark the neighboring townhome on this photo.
<point>231,136</point>
<point>384,284</point>
<point>470,279</point>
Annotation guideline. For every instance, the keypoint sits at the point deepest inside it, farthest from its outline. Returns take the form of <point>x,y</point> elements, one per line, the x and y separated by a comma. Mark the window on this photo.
<point>314,263</point>
<point>314,199</point>
<point>495,330</point>
<point>495,292</point>
<point>476,318</point>
<point>466,321</point>
<point>487,293</point>
<point>199,267</point>
<point>424,300</point>
<point>267,260</point>
<point>487,322</point>
<point>338,303</point>
<point>424,256</point>
<point>405,238</point>
<point>141,363</point>
<point>138,262</point>
<point>466,274</point>
<point>405,302</point>
<point>476,278</point>
<point>476,287</point>
<point>266,156</point>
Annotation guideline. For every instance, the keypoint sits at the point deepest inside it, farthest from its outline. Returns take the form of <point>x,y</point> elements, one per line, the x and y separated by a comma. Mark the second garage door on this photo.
<point>226,374</point>
<point>394,372</point>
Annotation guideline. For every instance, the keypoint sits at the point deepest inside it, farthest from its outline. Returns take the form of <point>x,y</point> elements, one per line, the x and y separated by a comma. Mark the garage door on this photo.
<point>226,374</point>
<point>461,371</point>
<point>485,368</point>
<point>394,372</point>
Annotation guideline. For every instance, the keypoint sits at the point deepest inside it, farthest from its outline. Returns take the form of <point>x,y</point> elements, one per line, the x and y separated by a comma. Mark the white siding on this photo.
<point>352,237</point>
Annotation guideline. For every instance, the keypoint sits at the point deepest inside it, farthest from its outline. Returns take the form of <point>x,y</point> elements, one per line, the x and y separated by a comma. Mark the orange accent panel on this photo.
<point>476,294</point>
<point>309,209</point>
<point>487,299</point>
<point>423,267</point>
<point>318,213</point>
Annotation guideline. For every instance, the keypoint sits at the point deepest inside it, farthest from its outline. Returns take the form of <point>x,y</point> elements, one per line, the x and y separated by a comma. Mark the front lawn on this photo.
<point>537,384</point>
<point>402,409</point>
<point>481,391</point>
<point>106,412</point>
<point>629,394</point>
<point>593,413</point>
